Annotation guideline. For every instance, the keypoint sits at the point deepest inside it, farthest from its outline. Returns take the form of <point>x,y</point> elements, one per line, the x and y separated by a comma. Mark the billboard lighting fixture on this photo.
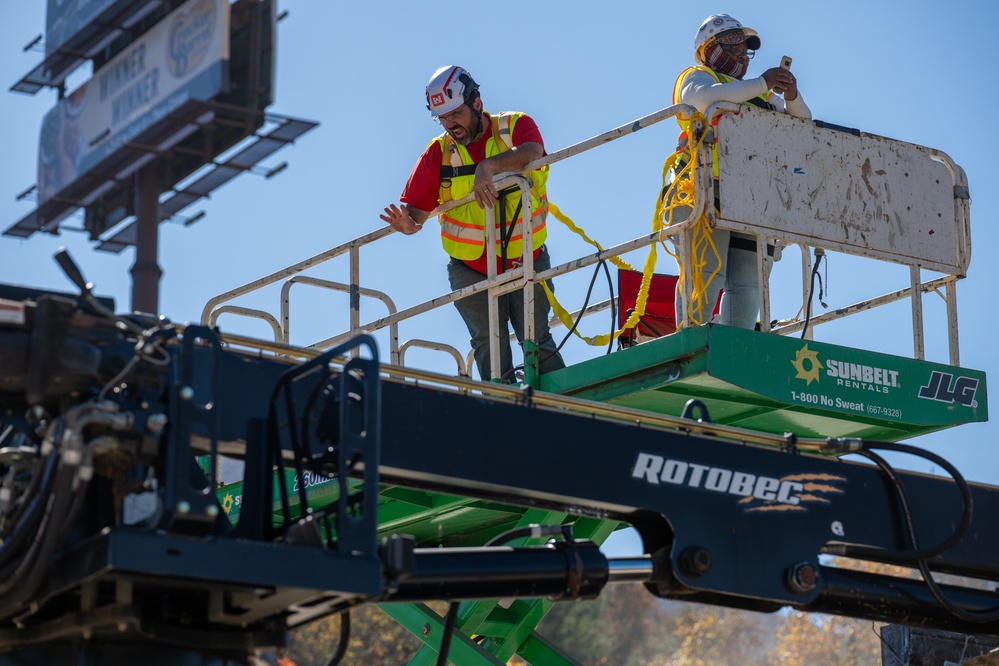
<point>194,218</point>
<point>30,45</point>
<point>100,137</point>
<point>275,171</point>
<point>25,194</point>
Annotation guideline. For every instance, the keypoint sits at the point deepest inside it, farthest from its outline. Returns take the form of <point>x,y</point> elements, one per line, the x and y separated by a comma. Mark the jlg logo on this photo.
<point>939,388</point>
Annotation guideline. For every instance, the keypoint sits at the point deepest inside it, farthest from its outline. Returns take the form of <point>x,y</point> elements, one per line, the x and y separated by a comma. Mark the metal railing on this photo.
<point>524,277</point>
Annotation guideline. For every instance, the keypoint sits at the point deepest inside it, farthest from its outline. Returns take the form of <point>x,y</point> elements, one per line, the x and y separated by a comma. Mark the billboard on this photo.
<point>183,58</point>
<point>66,18</point>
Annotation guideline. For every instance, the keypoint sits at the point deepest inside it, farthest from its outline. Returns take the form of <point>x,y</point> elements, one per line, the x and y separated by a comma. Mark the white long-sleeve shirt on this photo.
<point>700,90</point>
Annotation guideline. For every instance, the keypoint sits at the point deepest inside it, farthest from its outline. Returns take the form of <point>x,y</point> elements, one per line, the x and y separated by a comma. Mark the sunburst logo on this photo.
<point>807,357</point>
<point>227,503</point>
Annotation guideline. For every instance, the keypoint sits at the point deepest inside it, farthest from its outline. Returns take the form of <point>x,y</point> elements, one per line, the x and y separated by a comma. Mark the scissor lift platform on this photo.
<point>778,384</point>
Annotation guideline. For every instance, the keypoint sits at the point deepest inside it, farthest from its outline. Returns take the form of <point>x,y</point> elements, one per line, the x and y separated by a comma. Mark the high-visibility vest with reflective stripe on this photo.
<point>463,229</point>
<point>683,144</point>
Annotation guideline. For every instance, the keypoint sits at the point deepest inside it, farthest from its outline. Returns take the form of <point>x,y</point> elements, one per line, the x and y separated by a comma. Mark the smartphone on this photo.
<point>785,62</point>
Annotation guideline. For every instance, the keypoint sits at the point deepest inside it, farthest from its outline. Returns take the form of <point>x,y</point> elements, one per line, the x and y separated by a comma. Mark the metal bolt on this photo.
<point>426,629</point>
<point>183,507</point>
<point>695,561</point>
<point>802,578</point>
<point>212,510</point>
<point>186,393</point>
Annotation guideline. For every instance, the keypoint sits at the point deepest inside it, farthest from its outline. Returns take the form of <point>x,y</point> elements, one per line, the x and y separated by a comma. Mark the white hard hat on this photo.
<point>449,88</point>
<point>715,25</point>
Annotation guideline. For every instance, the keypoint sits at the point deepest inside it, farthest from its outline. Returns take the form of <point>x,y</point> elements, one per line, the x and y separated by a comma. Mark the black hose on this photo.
<point>29,515</point>
<point>35,562</point>
<point>449,622</point>
<point>811,292</point>
<point>586,302</point>
<point>917,555</point>
<point>341,647</point>
<point>582,311</point>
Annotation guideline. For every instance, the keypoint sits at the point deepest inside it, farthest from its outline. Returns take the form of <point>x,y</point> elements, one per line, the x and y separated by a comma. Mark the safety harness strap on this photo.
<point>448,172</point>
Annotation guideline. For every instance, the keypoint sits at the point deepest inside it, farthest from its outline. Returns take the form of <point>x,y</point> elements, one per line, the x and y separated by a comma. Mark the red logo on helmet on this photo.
<point>436,99</point>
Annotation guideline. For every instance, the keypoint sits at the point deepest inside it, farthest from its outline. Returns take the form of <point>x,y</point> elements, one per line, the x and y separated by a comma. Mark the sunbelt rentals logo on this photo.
<point>807,363</point>
<point>810,368</point>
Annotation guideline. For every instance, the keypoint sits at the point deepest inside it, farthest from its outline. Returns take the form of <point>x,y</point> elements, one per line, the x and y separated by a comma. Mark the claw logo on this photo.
<point>812,357</point>
<point>813,489</point>
<point>227,503</point>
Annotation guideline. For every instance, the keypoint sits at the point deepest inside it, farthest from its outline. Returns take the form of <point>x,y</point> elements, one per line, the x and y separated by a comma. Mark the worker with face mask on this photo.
<point>723,48</point>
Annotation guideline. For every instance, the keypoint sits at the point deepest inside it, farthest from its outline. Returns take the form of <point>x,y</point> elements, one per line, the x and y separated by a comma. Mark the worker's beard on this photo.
<point>469,132</point>
<point>722,61</point>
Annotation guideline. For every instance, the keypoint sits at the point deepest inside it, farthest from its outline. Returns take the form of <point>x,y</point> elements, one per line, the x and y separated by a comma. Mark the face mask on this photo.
<point>720,60</point>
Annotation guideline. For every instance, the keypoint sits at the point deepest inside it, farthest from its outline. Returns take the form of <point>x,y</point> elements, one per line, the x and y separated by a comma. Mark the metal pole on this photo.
<point>764,282</point>
<point>532,371</point>
<point>494,333</point>
<point>146,271</point>
<point>806,289</point>
<point>919,352</point>
<point>953,345</point>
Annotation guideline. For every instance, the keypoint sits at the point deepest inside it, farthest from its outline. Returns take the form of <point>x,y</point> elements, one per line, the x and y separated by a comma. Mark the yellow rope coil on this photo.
<point>681,193</point>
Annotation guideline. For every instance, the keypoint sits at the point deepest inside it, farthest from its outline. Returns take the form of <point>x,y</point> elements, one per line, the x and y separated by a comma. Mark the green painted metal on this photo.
<point>425,624</point>
<point>532,377</point>
<point>539,651</point>
<point>503,631</point>
<point>318,491</point>
<point>777,384</point>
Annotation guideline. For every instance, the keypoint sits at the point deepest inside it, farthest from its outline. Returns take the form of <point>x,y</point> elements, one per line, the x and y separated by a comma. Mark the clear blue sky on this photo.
<point>915,71</point>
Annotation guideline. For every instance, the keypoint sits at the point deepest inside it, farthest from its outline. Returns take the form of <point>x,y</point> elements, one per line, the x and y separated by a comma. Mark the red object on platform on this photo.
<point>660,308</point>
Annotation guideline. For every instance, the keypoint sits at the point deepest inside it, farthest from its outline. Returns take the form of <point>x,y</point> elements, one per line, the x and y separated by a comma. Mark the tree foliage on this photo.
<point>827,639</point>
<point>375,639</point>
<point>624,626</point>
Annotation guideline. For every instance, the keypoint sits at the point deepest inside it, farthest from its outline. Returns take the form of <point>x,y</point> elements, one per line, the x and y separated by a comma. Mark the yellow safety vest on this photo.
<point>463,229</point>
<point>683,144</point>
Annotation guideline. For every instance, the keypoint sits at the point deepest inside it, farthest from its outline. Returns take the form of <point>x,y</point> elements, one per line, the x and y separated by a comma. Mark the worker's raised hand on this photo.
<point>782,82</point>
<point>485,191</point>
<point>399,218</point>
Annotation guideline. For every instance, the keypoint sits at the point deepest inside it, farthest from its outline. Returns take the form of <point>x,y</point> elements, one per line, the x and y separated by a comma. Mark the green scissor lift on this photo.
<point>819,186</point>
<point>756,381</point>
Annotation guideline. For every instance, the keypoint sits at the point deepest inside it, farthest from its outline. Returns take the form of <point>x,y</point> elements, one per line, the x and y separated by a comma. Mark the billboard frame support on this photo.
<point>146,271</point>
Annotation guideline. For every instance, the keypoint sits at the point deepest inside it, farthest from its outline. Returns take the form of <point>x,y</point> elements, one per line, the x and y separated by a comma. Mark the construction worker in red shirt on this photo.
<point>479,146</point>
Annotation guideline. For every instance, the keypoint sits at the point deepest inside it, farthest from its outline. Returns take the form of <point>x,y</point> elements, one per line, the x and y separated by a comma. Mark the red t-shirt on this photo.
<point>423,187</point>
